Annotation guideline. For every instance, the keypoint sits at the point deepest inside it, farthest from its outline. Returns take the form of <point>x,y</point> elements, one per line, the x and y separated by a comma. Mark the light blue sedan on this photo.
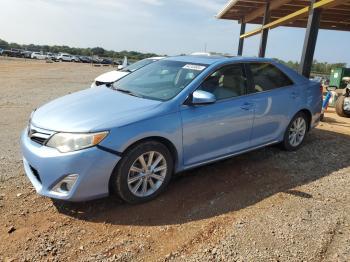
<point>130,137</point>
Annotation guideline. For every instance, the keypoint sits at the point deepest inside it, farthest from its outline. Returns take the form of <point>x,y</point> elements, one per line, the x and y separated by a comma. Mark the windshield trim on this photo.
<point>126,69</point>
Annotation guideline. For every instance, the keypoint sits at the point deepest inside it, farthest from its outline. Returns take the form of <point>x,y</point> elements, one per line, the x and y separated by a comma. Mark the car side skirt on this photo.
<point>229,155</point>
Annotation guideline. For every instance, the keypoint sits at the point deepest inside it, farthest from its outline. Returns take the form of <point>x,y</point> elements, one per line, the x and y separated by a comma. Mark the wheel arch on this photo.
<point>308,114</point>
<point>171,147</point>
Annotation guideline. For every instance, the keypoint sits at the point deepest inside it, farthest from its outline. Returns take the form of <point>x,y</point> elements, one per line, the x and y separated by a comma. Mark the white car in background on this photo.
<point>63,57</point>
<point>38,55</point>
<point>50,56</point>
<point>75,58</point>
<point>112,76</point>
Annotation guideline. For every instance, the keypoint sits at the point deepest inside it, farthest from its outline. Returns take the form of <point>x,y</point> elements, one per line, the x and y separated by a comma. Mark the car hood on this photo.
<point>110,77</point>
<point>93,109</point>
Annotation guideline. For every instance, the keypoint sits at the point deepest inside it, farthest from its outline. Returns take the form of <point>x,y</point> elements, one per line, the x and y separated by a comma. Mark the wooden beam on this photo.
<point>226,8</point>
<point>323,25</point>
<point>293,16</point>
<point>288,18</point>
<point>329,3</point>
<point>251,33</point>
<point>278,22</point>
<point>274,4</point>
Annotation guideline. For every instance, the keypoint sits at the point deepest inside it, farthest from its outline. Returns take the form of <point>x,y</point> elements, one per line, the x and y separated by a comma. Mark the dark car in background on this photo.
<point>12,53</point>
<point>84,59</point>
<point>106,61</point>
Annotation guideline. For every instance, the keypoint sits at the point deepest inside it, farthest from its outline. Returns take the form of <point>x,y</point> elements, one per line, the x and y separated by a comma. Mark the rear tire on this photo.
<point>339,107</point>
<point>295,133</point>
<point>138,177</point>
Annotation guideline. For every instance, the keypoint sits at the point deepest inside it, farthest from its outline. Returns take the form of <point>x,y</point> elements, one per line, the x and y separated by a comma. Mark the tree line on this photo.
<point>317,67</point>
<point>99,51</point>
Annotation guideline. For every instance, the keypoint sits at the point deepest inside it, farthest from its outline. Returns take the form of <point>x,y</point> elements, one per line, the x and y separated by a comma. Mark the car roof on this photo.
<point>208,60</point>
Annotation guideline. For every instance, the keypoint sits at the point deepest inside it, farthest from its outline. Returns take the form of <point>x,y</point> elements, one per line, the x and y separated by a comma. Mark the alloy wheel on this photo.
<point>147,174</point>
<point>297,131</point>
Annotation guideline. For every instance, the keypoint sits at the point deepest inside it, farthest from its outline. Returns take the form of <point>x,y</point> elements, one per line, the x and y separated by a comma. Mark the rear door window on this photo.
<point>267,77</point>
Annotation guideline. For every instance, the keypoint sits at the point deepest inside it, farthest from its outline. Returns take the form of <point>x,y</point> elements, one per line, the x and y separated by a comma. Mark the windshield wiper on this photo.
<point>128,92</point>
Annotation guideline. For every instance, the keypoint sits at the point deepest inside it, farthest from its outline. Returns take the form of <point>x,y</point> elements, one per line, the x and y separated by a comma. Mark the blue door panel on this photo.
<point>272,114</point>
<point>216,130</point>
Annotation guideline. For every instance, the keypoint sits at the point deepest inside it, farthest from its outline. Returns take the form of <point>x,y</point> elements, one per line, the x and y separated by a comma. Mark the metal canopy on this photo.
<point>310,14</point>
<point>335,13</point>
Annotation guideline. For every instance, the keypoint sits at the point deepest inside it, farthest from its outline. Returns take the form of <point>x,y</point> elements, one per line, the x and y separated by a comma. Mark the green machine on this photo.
<point>337,75</point>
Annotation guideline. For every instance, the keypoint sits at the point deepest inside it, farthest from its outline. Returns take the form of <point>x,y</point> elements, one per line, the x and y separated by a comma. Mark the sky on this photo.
<point>159,26</point>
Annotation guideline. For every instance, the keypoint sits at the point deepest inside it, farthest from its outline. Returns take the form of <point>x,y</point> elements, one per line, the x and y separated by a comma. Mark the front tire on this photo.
<point>143,172</point>
<point>296,132</point>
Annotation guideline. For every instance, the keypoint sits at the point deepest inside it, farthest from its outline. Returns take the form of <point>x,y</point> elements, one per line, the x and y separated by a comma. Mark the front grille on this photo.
<point>39,135</point>
<point>35,173</point>
<point>38,140</point>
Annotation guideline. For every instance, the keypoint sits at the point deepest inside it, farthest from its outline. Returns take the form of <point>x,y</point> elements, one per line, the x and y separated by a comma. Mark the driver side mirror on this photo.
<point>200,97</point>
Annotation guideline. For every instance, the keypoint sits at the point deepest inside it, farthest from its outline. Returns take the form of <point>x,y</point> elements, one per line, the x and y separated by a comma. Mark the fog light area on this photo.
<point>64,186</point>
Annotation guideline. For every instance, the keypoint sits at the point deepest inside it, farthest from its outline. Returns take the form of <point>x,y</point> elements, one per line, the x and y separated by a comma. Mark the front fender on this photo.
<point>167,127</point>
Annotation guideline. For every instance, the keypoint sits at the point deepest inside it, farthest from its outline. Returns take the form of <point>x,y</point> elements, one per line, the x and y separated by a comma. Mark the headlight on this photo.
<point>68,142</point>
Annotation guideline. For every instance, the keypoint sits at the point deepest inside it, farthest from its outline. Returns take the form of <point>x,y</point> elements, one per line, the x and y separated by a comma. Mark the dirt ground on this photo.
<point>267,205</point>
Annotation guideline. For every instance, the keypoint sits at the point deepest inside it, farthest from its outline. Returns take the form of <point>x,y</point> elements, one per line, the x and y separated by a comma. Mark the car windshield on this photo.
<point>161,80</point>
<point>138,65</point>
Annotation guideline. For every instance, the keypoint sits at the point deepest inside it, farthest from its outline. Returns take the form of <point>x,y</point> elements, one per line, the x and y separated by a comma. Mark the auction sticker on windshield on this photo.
<point>194,67</point>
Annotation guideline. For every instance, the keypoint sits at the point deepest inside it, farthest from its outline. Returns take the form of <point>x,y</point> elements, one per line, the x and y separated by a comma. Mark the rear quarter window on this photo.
<point>267,77</point>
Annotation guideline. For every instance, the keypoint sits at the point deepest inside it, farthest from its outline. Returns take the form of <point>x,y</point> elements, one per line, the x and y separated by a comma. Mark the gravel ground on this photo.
<point>267,205</point>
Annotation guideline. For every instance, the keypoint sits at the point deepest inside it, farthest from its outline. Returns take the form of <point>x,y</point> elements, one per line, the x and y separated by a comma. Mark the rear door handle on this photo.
<point>247,106</point>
